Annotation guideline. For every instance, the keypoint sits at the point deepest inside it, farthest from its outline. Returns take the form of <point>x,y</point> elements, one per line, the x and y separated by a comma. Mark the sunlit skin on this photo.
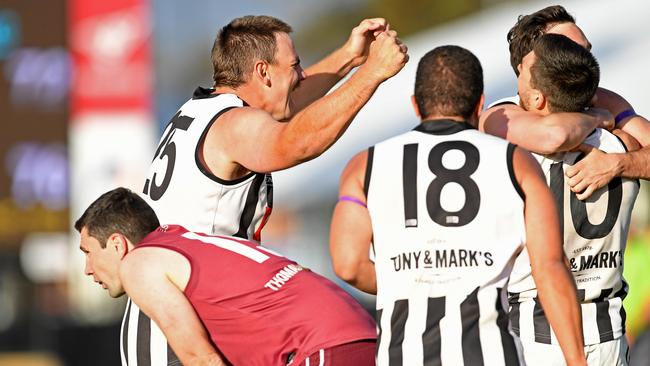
<point>284,76</point>
<point>102,263</point>
<point>527,93</point>
<point>571,31</point>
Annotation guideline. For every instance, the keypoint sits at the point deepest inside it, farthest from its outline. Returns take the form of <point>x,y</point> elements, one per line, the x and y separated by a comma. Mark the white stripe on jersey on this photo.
<point>158,345</point>
<point>134,315</point>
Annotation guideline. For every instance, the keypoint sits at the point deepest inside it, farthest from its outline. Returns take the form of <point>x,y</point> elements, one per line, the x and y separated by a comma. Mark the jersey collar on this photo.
<point>443,126</point>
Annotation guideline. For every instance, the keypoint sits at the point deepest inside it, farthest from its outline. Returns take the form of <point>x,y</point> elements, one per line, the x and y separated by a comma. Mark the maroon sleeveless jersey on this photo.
<point>259,307</point>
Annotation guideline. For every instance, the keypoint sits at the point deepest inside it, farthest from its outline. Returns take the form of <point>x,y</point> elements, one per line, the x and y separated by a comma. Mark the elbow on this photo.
<point>348,271</point>
<point>557,139</point>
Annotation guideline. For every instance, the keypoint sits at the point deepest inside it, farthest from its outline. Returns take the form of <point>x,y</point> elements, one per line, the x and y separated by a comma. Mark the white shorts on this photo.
<point>611,353</point>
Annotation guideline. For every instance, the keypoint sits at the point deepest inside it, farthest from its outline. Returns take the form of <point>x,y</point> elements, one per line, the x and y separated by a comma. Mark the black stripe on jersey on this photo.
<point>511,170</point>
<point>409,184</point>
<point>471,341</point>
<point>143,339</point>
<point>557,187</point>
<point>366,179</point>
<point>431,337</point>
<point>125,332</point>
<point>203,93</point>
<point>540,324</point>
<point>507,342</point>
<point>622,294</point>
<point>513,300</point>
<point>581,295</point>
<point>250,206</point>
<point>603,320</point>
<point>269,189</point>
<point>172,359</point>
<point>443,126</point>
<point>379,332</point>
<point>397,325</point>
<point>199,162</point>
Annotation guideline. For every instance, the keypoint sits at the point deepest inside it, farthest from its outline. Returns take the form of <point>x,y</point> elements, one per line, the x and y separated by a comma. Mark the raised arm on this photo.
<point>276,145</point>
<point>351,230</point>
<point>151,278</point>
<point>323,75</point>
<point>555,286</point>
<point>541,134</point>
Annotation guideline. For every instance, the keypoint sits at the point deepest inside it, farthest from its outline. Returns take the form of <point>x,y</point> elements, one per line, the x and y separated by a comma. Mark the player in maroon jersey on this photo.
<point>204,292</point>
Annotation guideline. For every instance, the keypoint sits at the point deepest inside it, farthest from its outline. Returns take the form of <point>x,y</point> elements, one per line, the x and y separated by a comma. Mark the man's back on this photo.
<point>275,310</point>
<point>447,219</point>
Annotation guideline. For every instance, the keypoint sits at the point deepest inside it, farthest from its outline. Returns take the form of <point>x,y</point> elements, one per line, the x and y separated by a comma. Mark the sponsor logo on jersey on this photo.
<point>283,276</point>
<point>610,259</point>
<point>447,258</point>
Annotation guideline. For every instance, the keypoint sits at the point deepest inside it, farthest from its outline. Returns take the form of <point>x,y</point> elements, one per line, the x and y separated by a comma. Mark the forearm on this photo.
<point>635,164</point>
<point>363,277</point>
<point>557,293</point>
<point>554,133</point>
<point>317,127</point>
<point>322,76</point>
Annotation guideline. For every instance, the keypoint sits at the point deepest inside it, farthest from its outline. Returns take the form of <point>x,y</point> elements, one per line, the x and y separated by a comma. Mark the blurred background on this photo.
<point>87,86</point>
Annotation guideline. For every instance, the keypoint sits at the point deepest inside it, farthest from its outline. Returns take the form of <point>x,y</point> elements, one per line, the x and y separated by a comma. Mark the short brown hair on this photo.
<point>565,72</point>
<point>118,211</point>
<point>240,43</point>
<point>530,27</point>
<point>448,82</point>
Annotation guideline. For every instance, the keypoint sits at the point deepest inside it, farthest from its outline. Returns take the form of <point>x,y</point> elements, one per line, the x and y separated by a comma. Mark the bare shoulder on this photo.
<point>355,169</point>
<point>494,120</point>
<point>526,167</point>
<point>611,101</point>
<point>243,116</point>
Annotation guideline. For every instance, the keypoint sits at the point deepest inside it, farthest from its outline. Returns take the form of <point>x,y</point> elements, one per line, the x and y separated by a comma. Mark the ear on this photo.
<point>538,100</point>
<point>119,244</point>
<point>414,103</point>
<point>262,73</point>
<point>479,106</point>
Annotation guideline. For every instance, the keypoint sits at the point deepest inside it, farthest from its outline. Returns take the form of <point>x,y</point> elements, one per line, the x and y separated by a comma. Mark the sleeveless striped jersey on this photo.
<point>182,191</point>
<point>595,234</point>
<point>447,218</point>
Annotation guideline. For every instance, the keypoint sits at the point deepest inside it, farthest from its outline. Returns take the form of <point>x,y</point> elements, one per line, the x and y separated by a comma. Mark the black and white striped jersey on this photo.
<point>142,343</point>
<point>595,234</point>
<point>447,219</point>
<point>182,191</point>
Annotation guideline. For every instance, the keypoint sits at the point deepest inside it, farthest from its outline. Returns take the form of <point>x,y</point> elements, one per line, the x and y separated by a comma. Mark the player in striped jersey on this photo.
<point>447,209</point>
<point>564,131</point>
<point>211,170</point>
<point>560,75</point>
<point>258,307</point>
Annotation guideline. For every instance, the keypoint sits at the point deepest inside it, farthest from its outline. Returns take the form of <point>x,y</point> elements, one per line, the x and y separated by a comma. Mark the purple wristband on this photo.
<point>623,115</point>
<point>352,199</point>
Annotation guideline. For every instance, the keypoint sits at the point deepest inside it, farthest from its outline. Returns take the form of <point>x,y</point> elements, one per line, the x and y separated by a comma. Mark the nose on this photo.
<point>88,269</point>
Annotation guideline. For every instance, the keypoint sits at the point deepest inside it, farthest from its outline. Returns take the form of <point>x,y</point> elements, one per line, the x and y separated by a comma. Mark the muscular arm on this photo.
<point>541,134</point>
<point>598,168</point>
<point>351,230</point>
<point>323,75</point>
<point>148,276</point>
<point>555,285</point>
<point>265,145</point>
